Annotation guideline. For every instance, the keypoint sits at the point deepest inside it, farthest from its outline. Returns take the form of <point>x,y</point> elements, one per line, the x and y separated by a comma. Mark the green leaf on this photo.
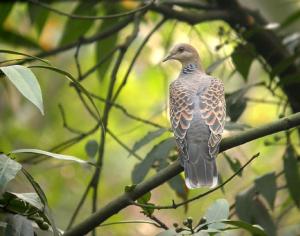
<point>178,185</point>
<point>17,39</point>
<point>253,229</point>
<point>38,16</point>
<point>243,204</point>
<point>104,47</point>
<point>235,164</point>
<point>249,208</point>
<point>291,19</point>
<point>266,186</point>
<point>18,225</point>
<point>43,199</point>
<point>75,82</point>
<point>24,54</point>
<point>218,211</point>
<point>27,204</point>
<point>147,139</point>
<point>91,148</point>
<point>8,170</point>
<point>5,10</point>
<point>242,58</point>
<point>76,28</point>
<point>159,151</point>
<point>292,175</point>
<point>145,198</point>
<point>26,82</point>
<point>51,154</point>
<point>261,216</point>
<point>31,198</point>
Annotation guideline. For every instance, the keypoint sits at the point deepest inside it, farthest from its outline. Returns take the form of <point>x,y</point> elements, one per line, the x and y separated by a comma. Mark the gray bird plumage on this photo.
<point>197,114</point>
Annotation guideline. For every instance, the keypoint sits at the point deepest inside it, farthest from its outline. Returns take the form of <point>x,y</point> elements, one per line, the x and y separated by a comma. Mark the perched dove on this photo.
<point>197,114</point>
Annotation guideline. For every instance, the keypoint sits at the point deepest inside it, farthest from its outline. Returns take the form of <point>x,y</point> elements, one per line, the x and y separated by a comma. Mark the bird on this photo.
<point>197,110</point>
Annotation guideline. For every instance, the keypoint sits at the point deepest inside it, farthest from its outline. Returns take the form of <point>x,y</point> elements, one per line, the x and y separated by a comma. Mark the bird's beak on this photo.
<point>170,56</point>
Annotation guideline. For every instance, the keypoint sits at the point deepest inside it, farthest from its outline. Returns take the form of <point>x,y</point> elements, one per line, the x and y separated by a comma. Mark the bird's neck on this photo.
<point>190,68</point>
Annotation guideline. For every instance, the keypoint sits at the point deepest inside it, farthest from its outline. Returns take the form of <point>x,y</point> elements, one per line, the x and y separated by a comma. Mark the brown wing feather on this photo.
<point>181,113</point>
<point>213,111</point>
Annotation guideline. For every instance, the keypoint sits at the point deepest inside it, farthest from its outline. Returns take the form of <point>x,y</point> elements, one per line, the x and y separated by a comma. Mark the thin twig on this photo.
<point>131,222</point>
<point>122,51</point>
<point>174,205</point>
<point>96,66</point>
<point>76,57</point>
<point>79,205</point>
<point>138,52</point>
<point>65,124</point>
<point>95,38</point>
<point>159,222</point>
<point>86,17</point>
<point>124,110</point>
<point>130,151</point>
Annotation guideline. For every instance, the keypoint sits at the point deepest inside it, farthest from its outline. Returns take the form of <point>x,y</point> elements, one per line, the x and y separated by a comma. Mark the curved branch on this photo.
<point>85,17</point>
<point>172,170</point>
<point>175,205</point>
<point>83,41</point>
<point>192,17</point>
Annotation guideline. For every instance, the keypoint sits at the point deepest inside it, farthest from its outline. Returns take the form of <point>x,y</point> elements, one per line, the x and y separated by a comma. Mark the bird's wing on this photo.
<point>213,112</point>
<point>181,113</point>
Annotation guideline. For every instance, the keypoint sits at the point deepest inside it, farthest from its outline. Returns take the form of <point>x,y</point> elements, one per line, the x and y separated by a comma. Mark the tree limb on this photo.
<point>172,170</point>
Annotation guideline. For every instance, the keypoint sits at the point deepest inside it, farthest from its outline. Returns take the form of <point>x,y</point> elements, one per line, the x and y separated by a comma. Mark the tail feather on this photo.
<point>200,169</point>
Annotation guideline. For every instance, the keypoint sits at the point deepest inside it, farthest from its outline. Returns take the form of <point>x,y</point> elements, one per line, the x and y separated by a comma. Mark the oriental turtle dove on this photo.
<point>197,114</point>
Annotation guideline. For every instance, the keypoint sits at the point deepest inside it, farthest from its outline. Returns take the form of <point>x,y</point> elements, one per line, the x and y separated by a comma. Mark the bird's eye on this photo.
<point>181,49</point>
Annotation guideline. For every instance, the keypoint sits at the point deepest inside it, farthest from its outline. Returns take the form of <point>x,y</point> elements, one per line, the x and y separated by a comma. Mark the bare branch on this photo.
<point>85,17</point>
<point>191,17</point>
<point>130,151</point>
<point>139,50</point>
<point>159,222</point>
<point>95,38</point>
<point>124,110</point>
<point>175,205</point>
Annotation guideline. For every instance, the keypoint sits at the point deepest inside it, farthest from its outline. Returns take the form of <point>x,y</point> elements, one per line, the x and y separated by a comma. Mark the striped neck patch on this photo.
<point>189,69</point>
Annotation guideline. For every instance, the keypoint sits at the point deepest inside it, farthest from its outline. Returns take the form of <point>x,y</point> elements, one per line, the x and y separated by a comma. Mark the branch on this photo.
<point>192,4</point>
<point>174,205</point>
<point>191,17</point>
<point>83,41</point>
<point>122,51</point>
<point>139,50</point>
<point>130,151</point>
<point>129,115</point>
<point>172,170</point>
<point>86,17</point>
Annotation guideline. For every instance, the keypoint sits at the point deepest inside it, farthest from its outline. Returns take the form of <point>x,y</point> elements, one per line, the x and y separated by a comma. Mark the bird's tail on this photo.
<point>200,169</point>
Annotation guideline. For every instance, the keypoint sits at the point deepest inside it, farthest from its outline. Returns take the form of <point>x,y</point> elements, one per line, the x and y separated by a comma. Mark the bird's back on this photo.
<point>199,164</point>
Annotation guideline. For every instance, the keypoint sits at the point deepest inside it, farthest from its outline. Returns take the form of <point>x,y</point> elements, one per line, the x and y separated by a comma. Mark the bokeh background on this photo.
<point>30,28</point>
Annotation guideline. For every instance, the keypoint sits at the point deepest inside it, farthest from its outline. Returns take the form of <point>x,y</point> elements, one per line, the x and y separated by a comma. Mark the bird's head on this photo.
<point>184,53</point>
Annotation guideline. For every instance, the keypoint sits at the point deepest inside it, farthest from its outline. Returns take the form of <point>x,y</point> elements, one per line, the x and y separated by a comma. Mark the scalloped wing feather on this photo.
<point>181,112</point>
<point>213,111</point>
